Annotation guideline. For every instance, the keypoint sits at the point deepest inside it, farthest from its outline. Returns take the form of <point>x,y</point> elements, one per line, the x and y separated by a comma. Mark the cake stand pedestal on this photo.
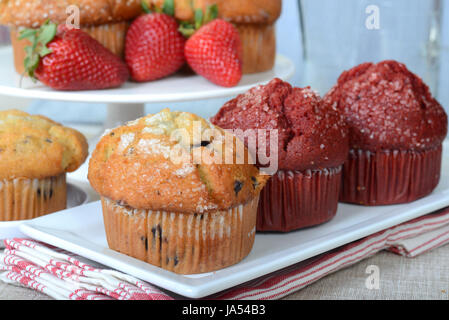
<point>119,113</point>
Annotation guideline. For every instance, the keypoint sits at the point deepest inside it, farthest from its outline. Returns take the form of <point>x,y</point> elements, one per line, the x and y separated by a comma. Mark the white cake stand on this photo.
<point>127,103</point>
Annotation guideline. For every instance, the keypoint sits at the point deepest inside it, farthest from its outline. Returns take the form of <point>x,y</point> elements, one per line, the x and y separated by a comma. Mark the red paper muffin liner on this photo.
<point>292,199</point>
<point>390,177</point>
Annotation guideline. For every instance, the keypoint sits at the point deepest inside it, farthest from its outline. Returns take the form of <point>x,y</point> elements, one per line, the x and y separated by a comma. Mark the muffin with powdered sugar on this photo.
<point>170,198</point>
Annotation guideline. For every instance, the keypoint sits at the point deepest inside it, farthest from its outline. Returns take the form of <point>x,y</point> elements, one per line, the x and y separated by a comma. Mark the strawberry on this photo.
<point>66,58</point>
<point>154,46</point>
<point>215,52</point>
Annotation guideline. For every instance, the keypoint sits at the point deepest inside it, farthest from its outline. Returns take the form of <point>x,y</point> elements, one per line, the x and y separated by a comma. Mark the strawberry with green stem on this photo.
<point>154,46</point>
<point>214,48</point>
<point>65,58</point>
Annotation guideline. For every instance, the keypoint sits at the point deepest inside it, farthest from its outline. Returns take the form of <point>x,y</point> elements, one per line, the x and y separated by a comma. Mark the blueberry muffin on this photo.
<point>312,147</point>
<point>35,154</point>
<point>396,132</point>
<point>171,198</point>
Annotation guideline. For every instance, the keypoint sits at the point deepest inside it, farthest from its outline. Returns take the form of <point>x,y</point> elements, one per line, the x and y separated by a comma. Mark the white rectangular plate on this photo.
<point>80,230</point>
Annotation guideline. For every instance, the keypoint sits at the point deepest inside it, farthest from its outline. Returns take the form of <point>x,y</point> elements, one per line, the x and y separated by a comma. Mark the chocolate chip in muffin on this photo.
<point>203,143</point>
<point>157,233</point>
<point>255,182</point>
<point>47,194</point>
<point>154,231</point>
<point>201,215</point>
<point>145,241</point>
<point>175,260</point>
<point>238,185</point>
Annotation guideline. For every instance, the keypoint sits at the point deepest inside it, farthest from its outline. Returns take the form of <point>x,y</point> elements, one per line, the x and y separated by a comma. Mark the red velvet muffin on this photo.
<point>312,146</point>
<point>396,131</point>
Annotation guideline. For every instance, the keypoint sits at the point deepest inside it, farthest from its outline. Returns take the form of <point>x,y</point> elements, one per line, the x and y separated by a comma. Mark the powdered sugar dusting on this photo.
<point>154,146</point>
<point>186,169</point>
<point>125,140</point>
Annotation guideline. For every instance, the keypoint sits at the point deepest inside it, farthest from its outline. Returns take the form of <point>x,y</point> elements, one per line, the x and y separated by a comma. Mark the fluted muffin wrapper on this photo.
<point>390,177</point>
<point>22,199</point>
<point>183,243</point>
<point>293,200</point>
<point>258,46</point>
<point>111,35</point>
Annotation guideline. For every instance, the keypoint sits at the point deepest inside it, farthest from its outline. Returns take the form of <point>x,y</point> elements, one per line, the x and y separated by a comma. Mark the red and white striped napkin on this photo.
<point>63,275</point>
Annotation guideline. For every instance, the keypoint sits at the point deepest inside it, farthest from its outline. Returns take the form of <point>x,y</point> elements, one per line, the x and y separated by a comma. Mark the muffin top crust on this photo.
<point>35,147</point>
<point>387,107</point>
<point>173,161</point>
<point>33,13</point>
<point>237,11</point>
<point>311,134</point>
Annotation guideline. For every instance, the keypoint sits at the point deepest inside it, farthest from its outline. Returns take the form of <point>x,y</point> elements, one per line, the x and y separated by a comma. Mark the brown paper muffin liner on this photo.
<point>259,47</point>
<point>22,198</point>
<point>390,177</point>
<point>292,199</point>
<point>111,35</point>
<point>182,243</point>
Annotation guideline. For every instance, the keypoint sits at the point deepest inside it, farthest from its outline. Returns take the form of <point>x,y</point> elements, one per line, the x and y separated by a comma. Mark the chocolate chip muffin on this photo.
<point>35,154</point>
<point>396,132</point>
<point>170,196</point>
<point>312,147</point>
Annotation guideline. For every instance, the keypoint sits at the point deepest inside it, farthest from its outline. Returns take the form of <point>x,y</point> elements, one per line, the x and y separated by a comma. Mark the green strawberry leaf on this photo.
<point>29,50</point>
<point>39,38</point>
<point>211,13</point>
<point>47,33</point>
<point>169,7</point>
<point>186,29</point>
<point>31,64</point>
<point>27,33</point>
<point>44,51</point>
<point>145,7</point>
<point>199,18</point>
